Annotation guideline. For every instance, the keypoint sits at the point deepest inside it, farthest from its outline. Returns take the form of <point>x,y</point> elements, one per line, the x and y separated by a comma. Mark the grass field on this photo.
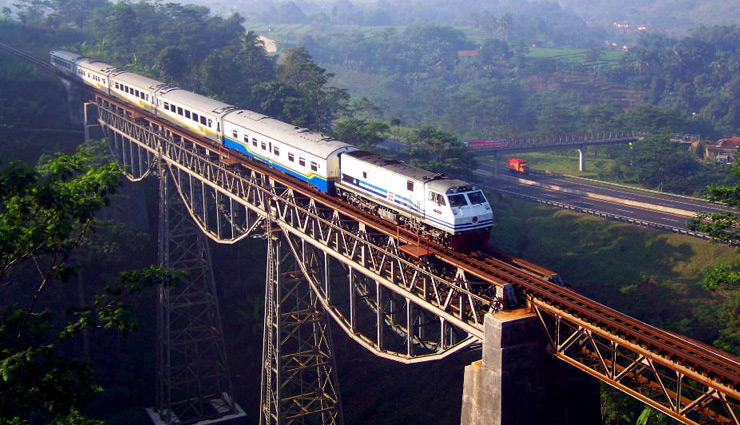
<point>567,163</point>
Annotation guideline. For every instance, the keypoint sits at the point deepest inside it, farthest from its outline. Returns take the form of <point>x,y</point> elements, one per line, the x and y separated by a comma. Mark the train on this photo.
<point>446,210</point>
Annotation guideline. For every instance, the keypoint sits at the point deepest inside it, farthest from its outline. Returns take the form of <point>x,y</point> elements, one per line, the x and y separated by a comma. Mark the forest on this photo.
<point>74,324</point>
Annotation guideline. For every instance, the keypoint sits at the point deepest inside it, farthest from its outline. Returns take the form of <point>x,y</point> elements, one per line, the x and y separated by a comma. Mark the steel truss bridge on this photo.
<point>397,296</point>
<point>325,257</point>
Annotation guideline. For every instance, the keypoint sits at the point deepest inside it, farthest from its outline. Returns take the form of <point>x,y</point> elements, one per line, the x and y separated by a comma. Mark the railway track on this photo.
<point>29,58</point>
<point>701,362</point>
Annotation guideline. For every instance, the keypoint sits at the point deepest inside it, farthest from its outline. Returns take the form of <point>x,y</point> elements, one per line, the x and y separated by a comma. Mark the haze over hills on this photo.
<point>658,15</point>
<point>672,16</point>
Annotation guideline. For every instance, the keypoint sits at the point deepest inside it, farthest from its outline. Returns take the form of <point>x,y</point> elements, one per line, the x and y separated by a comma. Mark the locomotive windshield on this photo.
<point>476,197</point>
<point>457,200</point>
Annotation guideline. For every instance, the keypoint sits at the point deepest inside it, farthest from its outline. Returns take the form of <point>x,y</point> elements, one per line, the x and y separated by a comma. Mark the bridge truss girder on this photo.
<point>669,388</point>
<point>299,381</point>
<point>193,382</point>
<point>229,202</point>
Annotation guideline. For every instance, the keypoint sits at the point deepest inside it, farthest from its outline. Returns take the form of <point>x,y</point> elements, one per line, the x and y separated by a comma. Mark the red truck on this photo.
<point>517,166</point>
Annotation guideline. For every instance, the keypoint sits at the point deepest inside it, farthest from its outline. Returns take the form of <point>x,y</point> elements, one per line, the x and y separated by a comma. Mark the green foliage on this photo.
<point>360,132</point>
<point>439,151</point>
<point>321,104</point>
<point>46,213</point>
<point>694,74</point>
<point>724,227</point>
<point>231,73</point>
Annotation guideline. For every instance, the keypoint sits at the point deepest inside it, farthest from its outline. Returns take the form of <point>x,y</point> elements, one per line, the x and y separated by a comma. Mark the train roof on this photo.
<point>95,66</point>
<point>397,167</point>
<point>449,186</point>
<point>65,55</point>
<point>195,101</point>
<point>137,80</point>
<point>297,137</point>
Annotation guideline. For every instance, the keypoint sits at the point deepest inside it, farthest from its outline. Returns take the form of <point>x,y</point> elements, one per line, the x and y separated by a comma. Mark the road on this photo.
<point>642,207</point>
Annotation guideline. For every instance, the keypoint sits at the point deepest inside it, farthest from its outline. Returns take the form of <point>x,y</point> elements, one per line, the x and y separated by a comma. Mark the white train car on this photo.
<point>308,156</point>
<point>95,73</point>
<point>455,207</point>
<point>449,210</point>
<point>65,61</point>
<point>135,89</point>
<point>197,113</point>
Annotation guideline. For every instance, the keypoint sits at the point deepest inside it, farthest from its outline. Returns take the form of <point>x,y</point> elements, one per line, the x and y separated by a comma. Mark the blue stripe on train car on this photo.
<point>313,179</point>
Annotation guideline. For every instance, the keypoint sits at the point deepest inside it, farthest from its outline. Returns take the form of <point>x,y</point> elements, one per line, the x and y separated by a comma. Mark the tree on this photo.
<point>440,151</point>
<point>172,65</point>
<point>658,163</point>
<point>232,73</point>
<point>324,104</point>
<point>45,215</point>
<point>724,227</point>
<point>359,132</point>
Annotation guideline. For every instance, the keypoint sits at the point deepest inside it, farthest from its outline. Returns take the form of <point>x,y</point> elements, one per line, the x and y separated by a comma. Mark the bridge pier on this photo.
<point>517,382</point>
<point>93,129</point>
<point>582,158</point>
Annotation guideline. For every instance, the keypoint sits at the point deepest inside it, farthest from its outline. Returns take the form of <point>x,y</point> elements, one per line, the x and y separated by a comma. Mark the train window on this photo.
<point>291,157</point>
<point>203,120</point>
<point>187,114</point>
<point>476,197</point>
<point>254,142</point>
<point>437,198</point>
<point>246,139</point>
<point>236,134</point>
<point>210,123</point>
<point>264,146</point>
<point>277,151</point>
<point>136,93</point>
<point>301,162</point>
<point>364,174</point>
<point>146,96</point>
<point>179,111</point>
<point>314,166</point>
<point>457,200</point>
<point>167,106</point>
<point>409,185</point>
<point>196,118</point>
<point>116,85</point>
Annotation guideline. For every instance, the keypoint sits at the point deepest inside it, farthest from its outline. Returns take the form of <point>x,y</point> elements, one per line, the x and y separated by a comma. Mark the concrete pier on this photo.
<point>518,383</point>
<point>92,127</point>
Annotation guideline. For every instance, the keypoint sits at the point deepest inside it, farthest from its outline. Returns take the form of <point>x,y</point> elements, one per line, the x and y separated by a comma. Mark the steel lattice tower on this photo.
<point>193,382</point>
<point>299,383</point>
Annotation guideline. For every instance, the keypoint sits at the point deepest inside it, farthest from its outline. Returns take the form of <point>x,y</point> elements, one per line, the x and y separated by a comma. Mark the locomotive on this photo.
<point>446,210</point>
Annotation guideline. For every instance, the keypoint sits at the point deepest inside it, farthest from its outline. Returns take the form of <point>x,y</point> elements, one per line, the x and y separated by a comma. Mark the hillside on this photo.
<point>675,16</point>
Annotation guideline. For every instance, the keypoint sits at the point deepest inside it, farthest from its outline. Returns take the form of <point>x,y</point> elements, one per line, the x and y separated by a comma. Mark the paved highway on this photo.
<point>640,206</point>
